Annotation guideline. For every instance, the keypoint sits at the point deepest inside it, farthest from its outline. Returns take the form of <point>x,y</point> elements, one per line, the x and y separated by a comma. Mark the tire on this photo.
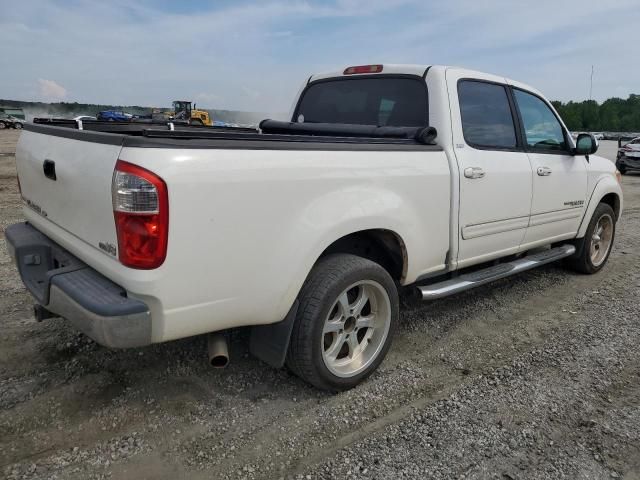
<point>17,126</point>
<point>3,125</point>
<point>197,122</point>
<point>334,351</point>
<point>592,254</point>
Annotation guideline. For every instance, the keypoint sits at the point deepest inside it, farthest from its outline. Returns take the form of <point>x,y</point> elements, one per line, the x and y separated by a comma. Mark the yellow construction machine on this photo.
<point>182,111</point>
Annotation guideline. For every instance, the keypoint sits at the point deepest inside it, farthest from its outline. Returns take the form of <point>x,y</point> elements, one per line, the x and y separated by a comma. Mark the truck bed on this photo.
<point>285,135</point>
<point>249,211</point>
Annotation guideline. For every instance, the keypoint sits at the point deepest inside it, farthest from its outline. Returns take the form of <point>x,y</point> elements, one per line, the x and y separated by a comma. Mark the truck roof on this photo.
<point>388,68</point>
<point>420,70</point>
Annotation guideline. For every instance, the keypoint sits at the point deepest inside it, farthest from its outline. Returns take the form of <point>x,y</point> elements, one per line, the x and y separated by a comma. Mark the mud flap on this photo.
<point>270,343</point>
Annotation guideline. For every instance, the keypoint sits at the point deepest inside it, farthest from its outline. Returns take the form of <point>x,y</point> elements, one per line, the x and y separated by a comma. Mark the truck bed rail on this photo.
<point>135,126</point>
<point>270,130</point>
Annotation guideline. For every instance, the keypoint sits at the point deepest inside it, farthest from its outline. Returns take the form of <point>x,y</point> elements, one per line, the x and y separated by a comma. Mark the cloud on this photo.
<point>51,91</point>
<point>255,55</point>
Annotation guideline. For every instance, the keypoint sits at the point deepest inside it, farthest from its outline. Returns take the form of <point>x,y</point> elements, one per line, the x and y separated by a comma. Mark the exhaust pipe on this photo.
<point>217,350</point>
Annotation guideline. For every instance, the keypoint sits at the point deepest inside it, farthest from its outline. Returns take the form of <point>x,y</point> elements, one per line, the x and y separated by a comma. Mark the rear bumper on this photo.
<point>67,287</point>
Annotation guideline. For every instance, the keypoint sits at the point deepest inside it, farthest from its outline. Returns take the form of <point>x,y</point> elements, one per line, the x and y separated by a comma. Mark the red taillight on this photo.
<point>141,211</point>
<point>363,69</point>
<point>627,148</point>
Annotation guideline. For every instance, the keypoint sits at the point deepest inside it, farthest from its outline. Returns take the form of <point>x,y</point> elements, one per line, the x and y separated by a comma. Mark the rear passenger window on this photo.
<point>487,121</point>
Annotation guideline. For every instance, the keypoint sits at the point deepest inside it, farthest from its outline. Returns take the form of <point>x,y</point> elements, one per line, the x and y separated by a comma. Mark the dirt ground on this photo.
<point>537,376</point>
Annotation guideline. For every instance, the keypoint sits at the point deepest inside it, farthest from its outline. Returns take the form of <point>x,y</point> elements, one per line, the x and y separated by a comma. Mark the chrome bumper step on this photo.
<point>495,272</point>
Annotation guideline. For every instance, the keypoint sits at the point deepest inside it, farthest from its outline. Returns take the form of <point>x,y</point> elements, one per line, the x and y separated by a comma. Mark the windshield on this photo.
<point>382,101</point>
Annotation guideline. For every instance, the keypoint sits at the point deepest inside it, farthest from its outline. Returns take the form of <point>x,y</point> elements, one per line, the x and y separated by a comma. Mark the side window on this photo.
<point>486,115</point>
<point>542,129</point>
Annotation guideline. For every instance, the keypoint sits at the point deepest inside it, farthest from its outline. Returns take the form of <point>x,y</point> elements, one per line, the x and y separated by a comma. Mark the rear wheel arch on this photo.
<point>381,246</point>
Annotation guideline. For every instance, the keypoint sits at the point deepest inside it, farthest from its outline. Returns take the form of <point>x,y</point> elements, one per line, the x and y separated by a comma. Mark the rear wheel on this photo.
<point>3,125</point>
<point>592,251</point>
<point>345,323</point>
<point>17,125</point>
<point>197,122</point>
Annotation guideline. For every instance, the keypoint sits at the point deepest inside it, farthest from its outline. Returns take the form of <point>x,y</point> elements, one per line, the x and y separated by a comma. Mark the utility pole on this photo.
<point>591,86</point>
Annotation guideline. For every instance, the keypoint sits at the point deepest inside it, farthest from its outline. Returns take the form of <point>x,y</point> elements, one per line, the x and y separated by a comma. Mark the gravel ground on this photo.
<point>537,376</point>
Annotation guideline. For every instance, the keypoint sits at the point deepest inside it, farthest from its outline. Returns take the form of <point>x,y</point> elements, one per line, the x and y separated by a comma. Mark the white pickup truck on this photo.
<point>427,178</point>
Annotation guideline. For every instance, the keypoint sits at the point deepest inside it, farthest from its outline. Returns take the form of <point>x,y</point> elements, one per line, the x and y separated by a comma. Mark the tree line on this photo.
<point>613,115</point>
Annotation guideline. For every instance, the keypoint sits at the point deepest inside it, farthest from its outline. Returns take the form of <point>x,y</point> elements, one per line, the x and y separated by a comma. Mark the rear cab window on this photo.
<point>379,100</point>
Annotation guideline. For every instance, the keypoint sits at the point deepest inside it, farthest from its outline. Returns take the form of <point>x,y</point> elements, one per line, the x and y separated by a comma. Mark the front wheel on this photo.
<point>345,322</point>
<point>593,250</point>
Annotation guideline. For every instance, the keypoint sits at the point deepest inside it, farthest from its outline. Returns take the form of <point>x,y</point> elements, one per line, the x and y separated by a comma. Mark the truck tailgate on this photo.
<point>68,181</point>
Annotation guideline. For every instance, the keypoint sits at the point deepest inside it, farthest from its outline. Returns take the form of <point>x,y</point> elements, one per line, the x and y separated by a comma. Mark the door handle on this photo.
<point>544,171</point>
<point>473,172</point>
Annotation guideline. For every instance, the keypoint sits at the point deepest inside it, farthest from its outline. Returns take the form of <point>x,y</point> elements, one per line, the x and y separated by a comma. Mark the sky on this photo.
<point>254,55</point>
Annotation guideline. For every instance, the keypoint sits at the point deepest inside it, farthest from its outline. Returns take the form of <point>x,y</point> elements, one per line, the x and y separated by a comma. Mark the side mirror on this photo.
<point>586,144</point>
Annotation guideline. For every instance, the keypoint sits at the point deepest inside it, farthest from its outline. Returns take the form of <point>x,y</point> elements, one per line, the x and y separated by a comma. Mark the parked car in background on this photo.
<point>628,156</point>
<point>114,116</point>
<point>8,121</point>
<point>15,112</point>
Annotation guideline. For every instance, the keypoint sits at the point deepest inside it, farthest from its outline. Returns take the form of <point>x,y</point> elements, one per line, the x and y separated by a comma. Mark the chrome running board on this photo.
<point>495,272</point>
